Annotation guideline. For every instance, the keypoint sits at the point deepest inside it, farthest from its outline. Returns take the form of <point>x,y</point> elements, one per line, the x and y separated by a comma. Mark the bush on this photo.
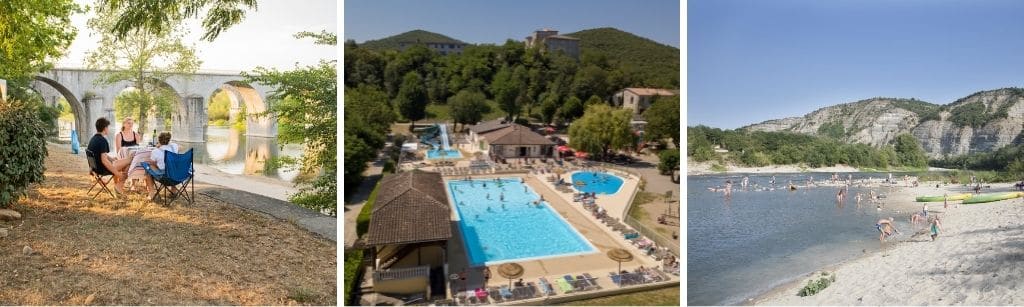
<point>363,220</point>
<point>703,153</point>
<point>668,161</point>
<point>755,158</point>
<point>389,166</point>
<point>22,149</point>
<point>813,287</point>
<point>353,263</point>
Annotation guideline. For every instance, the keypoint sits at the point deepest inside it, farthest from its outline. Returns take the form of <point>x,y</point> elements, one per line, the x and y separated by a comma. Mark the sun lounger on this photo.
<point>506,293</point>
<point>591,280</point>
<point>563,285</point>
<point>545,286</point>
<point>616,279</point>
<point>531,290</point>
<point>495,294</point>
<point>576,286</point>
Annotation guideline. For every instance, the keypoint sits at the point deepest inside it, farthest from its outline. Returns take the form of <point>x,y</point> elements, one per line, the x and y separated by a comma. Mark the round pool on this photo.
<point>596,182</point>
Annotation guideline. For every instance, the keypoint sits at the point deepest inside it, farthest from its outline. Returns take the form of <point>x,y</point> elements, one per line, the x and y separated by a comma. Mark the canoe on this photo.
<point>964,196</point>
<point>984,198</point>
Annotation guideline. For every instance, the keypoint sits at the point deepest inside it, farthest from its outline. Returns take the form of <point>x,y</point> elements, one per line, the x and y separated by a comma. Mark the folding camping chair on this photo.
<point>176,180</point>
<point>98,172</point>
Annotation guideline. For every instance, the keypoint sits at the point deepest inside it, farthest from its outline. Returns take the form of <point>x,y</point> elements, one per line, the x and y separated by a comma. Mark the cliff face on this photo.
<point>982,122</point>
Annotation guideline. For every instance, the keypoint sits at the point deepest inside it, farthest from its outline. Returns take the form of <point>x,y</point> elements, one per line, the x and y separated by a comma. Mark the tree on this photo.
<point>601,129</point>
<point>668,161</point>
<point>505,89</point>
<point>144,59</point>
<point>909,152</point>
<point>32,35</point>
<point>412,98</point>
<point>468,107</point>
<point>548,107</point>
<point>594,100</point>
<point>368,118</point>
<point>571,110</point>
<point>591,81</point>
<point>1016,168</point>
<point>161,16</point>
<point>306,112</point>
<point>663,119</point>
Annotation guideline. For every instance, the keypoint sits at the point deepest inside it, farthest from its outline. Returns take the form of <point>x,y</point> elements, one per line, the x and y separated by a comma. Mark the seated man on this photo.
<point>99,146</point>
<point>156,160</point>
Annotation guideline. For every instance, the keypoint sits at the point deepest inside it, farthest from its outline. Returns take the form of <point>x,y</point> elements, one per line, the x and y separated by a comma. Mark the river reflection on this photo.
<point>232,152</point>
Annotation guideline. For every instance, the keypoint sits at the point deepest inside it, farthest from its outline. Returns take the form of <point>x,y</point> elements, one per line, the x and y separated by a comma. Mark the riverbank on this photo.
<point>705,168</point>
<point>974,261</point>
<point>69,249</point>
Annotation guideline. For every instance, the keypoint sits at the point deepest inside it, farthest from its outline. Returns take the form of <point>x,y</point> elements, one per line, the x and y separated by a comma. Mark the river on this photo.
<point>757,240</point>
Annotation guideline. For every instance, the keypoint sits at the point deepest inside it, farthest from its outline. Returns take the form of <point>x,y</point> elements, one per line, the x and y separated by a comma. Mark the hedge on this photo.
<point>363,220</point>
<point>353,261</point>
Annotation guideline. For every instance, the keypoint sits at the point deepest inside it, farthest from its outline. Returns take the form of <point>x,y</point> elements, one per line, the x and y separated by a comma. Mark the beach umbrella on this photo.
<point>549,129</point>
<point>620,255</point>
<point>563,148</point>
<point>580,154</point>
<point>511,271</point>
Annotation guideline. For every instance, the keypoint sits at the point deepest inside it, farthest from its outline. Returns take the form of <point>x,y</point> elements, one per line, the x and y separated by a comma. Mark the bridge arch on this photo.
<point>78,107</point>
<point>241,93</point>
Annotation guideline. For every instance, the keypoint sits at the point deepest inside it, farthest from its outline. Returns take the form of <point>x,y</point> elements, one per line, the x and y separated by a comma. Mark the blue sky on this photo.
<point>775,59</point>
<point>495,21</point>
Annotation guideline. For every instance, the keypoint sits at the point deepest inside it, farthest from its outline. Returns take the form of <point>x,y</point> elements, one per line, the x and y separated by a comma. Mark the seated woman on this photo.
<point>99,146</point>
<point>127,136</point>
<point>156,160</point>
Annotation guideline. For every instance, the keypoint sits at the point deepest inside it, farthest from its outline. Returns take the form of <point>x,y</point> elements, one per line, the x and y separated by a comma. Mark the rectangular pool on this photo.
<point>514,229</point>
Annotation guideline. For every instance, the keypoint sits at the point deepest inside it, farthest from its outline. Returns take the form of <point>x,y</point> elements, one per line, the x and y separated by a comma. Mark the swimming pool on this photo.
<point>496,231</point>
<point>435,154</point>
<point>595,182</point>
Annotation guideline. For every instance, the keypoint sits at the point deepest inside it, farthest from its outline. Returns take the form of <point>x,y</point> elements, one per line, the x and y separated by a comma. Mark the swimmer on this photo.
<point>488,196</point>
<point>461,203</point>
<point>885,228</point>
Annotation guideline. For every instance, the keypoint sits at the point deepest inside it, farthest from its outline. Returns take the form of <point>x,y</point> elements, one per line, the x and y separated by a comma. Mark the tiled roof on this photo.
<point>410,207</point>
<point>650,91</point>
<point>488,126</point>
<point>517,135</point>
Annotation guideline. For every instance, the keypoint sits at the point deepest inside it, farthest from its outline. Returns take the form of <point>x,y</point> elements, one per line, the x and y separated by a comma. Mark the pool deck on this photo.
<point>615,204</point>
<point>600,236</point>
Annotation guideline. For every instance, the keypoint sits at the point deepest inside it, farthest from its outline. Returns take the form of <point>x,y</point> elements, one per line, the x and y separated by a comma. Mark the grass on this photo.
<point>352,262</point>
<point>718,168</point>
<point>363,220</point>
<point>661,297</point>
<point>815,286</point>
<point>642,197</point>
<point>134,252</point>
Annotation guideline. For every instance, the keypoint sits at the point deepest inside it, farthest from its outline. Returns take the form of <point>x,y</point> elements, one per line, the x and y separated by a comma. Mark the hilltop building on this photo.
<point>553,42</point>
<point>638,98</point>
<point>444,48</point>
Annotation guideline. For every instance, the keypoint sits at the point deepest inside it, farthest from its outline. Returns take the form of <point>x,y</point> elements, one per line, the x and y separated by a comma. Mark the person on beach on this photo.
<point>936,226</point>
<point>945,201</point>
<point>885,228</point>
<point>773,181</point>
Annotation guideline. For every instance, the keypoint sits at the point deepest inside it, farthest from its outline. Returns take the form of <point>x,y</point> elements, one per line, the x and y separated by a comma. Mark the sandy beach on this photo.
<point>976,260</point>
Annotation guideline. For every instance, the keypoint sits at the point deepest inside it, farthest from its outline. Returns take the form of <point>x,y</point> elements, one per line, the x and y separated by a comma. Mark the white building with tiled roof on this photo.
<point>639,98</point>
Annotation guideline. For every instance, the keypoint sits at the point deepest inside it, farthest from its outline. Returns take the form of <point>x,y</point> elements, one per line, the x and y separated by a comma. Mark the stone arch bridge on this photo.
<point>91,100</point>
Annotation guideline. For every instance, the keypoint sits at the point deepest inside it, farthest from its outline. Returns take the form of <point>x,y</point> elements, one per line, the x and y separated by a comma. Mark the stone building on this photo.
<point>502,140</point>
<point>552,42</point>
<point>639,99</point>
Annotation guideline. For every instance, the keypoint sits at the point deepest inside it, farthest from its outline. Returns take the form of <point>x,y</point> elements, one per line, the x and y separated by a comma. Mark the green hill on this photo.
<point>651,63</point>
<point>391,42</point>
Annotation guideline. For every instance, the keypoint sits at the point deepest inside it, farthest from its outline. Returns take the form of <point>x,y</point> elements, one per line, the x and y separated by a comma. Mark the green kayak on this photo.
<point>984,198</point>
<point>939,198</point>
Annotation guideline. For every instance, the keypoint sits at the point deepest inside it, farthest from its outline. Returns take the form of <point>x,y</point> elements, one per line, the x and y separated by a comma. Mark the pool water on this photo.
<point>595,182</point>
<point>435,154</point>
<point>496,231</point>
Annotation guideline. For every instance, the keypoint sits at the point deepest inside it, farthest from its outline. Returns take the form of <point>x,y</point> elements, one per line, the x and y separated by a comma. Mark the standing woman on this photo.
<point>126,137</point>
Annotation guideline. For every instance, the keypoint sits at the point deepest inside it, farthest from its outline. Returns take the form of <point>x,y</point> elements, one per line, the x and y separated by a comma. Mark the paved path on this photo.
<point>325,226</point>
<point>269,187</point>
<point>355,203</point>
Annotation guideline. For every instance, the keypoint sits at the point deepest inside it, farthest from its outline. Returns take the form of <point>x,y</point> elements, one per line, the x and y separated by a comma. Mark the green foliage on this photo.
<point>363,219</point>
<point>505,88</point>
<point>368,119</point>
<point>663,120</point>
<point>1004,163</point>
<point>144,59</point>
<point>306,112</point>
<point>764,148</point>
<point>353,263</point>
<point>572,109</point>
<point>22,149</point>
<point>159,16</point>
<point>1016,168</point>
<point>220,107</point>
<point>647,62</point>
<point>834,130</point>
<point>392,42</point>
<point>972,114</point>
<point>32,35</point>
<point>468,107</point>
<point>602,129</point>
<point>924,110</point>
<point>548,108</point>
<point>412,98</point>
<point>668,161</point>
<point>813,287</point>
<point>909,152</point>
<point>718,168</point>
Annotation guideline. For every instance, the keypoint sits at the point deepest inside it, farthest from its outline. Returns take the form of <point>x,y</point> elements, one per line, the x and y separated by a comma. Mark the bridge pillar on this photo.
<point>261,126</point>
<point>95,107</point>
<point>189,123</point>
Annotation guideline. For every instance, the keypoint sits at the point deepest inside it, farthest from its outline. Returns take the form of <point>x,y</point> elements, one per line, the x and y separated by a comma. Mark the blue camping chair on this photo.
<point>177,177</point>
